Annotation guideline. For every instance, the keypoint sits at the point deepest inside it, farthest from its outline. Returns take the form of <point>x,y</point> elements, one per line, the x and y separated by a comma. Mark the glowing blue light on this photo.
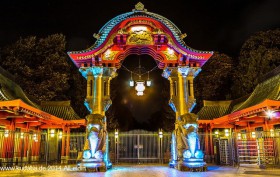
<point>86,154</point>
<point>173,148</point>
<point>199,154</point>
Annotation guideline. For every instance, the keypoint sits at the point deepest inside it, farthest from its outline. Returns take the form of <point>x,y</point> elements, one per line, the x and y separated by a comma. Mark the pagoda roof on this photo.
<point>214,109</point>
<point>268,89</point>
<point>136,13</point>
<point>60,109</point>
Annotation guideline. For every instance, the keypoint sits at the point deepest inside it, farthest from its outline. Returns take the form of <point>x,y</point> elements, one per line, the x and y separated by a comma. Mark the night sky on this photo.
<point>219,25</point>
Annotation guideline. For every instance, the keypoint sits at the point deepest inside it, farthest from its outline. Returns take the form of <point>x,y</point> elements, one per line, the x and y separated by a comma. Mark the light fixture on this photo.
<point>226,133</point>
<point>140,87</point>
<point>253,134</point>
<point>52,133</point>
<point>217,133</point>
<point>160,134</point>
<point>270,114</point>
<point>170,51</point>
<point>138,28</point>
<point>60,135</point>
<point>131,82</point>
<point>149,82</point>
<point>239,136</point>
<point>116,134</point>
<point>21,135</point>
<point>6,134</point>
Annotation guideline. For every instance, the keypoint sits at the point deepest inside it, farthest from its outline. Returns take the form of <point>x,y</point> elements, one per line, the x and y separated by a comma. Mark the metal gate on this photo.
<point>139,146</point>
<point>260,148</point>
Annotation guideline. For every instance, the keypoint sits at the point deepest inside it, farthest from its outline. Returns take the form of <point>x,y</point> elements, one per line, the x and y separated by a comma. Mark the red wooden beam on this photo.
<point>5,122</point>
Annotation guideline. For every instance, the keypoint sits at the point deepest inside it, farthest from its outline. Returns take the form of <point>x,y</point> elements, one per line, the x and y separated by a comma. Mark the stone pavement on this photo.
<point>138,171</point>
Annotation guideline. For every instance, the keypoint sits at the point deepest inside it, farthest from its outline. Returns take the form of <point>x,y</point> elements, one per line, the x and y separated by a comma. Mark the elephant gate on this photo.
<point>141,32</point>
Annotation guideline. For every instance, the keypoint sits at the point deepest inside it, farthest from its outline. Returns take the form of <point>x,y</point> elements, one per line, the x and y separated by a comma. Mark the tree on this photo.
<point>214,81</point>
<point>258,55</point>
<point>43,70</point>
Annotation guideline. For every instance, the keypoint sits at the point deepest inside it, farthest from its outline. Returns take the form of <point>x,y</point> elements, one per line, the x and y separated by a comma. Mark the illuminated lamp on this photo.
<point>139,28</point>
<point>116,134</point>
<point>170,51</point>
<point>52,133</point>
<point>21,135</point>
<point>239,136</point>
<point>60,135</point>
<point>226,133</point>
<point>253,134</point>
<point>270,114</point>
<point>131,82</point>
<point>160,134</point>
<point>217,133</point>
<point>6,134</point>
<point>149,82</point>
<point>140,87</point>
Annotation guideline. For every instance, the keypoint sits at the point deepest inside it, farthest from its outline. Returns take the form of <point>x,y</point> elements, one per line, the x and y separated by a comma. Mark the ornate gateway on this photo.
<point>141,32</point>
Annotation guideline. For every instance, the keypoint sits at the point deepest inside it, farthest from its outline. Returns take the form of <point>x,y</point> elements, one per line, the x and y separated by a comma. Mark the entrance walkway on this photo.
<point>141,171</point>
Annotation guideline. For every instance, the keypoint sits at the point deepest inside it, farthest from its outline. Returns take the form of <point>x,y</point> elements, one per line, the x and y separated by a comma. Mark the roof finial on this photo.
<point>139,7</point>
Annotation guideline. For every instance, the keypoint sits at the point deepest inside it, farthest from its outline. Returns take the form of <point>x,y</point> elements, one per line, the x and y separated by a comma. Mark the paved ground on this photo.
<point>139,171</point>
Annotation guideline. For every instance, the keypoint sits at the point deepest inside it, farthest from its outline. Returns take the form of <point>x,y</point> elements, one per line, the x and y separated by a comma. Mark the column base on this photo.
<point>94,165</point>
<point>189,165</point>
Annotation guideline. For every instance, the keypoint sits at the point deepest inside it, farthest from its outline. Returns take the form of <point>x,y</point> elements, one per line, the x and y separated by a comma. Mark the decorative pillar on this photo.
<point>95,153</point>
<point>8,150</point>
<point>206,141</point>
<point>67,152</point>
<point>211,143</point>
<point>186,139</point>
<point>25,143</point>
<point>63,157</point>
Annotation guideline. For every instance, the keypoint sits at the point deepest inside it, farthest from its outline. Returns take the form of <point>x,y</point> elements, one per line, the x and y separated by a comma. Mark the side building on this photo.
<point>31,132</point>
<point>245,119</point>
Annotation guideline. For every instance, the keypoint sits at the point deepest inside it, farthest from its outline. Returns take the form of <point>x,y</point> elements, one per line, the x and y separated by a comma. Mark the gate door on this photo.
<point>139,146</point>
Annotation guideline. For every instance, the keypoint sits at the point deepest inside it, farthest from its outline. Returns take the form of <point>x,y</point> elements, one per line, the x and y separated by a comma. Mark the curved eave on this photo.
<point>110,27</point>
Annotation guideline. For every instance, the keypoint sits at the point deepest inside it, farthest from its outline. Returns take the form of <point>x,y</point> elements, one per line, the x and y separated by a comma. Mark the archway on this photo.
<point>140,112</point>
<point>141,32</point>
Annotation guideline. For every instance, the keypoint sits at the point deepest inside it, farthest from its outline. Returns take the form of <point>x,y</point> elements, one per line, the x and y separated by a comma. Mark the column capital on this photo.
<point>91,71</point>
<point>110,72</point>
<point>169,72</point>
<point>184,70</point>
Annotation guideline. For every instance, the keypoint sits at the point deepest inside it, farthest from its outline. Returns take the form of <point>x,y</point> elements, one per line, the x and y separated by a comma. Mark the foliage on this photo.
<point>258,55</point>
<point>42,68</point>
<point>214,81</point>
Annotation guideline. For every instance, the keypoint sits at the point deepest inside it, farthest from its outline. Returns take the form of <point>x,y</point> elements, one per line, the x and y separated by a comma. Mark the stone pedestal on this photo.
<point>94,165</point>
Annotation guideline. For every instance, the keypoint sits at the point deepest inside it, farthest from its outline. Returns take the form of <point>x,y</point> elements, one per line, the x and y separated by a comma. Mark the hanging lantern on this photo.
<point>140,87</point>
<point>149,82</point>
<point>131,82</point>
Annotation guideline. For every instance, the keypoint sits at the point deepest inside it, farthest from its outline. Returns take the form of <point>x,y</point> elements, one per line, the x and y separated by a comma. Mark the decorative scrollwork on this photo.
<point>140,37</point>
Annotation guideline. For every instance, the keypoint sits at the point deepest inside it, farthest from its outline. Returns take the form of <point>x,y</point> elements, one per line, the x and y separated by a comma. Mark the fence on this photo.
<point>138,146</point>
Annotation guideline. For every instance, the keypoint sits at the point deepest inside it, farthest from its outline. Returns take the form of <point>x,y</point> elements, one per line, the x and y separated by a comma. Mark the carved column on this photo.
<point>178,89</point>
<point>98,88</point>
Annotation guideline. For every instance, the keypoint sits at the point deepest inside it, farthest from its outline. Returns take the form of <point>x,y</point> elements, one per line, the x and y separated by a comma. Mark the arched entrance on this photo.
<point>140,32</point>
